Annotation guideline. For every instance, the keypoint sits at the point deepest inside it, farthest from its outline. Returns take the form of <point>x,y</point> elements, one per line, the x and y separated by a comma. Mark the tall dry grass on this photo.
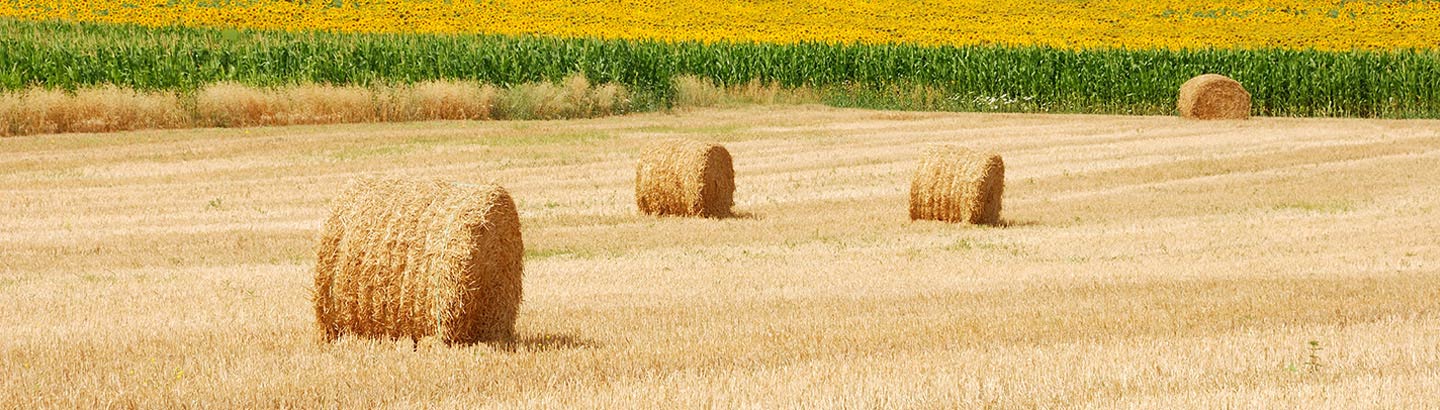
<point>442,100</point>
<point>324,104</point>
<point>99,109</point>
<point>692,91</point>
<point>229,104</point>
<point>235,105</point>
<point>226,104</point>
<point>574,97</point>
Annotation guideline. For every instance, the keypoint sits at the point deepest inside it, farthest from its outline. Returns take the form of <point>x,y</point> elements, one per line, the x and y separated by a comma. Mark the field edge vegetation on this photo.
<point>179,64</point>
<point>109,108</point>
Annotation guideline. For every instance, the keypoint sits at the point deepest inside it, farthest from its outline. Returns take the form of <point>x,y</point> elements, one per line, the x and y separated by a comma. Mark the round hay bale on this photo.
<point>956,184</point>
<point>420,259</point>
<point>1214,97</point>
<point>686,178</point>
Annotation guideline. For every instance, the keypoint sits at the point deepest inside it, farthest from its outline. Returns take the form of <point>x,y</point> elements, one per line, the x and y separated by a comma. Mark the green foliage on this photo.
<point>1312,361</point>
<point>1400,83</point>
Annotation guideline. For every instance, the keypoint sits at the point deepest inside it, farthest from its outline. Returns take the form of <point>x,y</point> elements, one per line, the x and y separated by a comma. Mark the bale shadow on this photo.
<point>543,342</point>
<point>1003,224</point>
<point>1023,223</point>
<point>742,215</point>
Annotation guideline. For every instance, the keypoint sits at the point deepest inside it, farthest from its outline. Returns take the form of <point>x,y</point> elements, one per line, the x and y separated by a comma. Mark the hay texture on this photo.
<point>956,184</point>
<point>1214,97</point>
<point>420,259</point>
<point>686,178</point>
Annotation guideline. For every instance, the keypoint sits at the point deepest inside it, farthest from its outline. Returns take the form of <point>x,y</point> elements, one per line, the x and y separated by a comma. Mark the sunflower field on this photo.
<point>1165,24</point>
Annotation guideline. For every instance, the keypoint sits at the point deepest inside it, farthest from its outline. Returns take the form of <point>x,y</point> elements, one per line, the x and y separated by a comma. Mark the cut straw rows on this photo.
<point>429,259</point>
<point>423,259</point>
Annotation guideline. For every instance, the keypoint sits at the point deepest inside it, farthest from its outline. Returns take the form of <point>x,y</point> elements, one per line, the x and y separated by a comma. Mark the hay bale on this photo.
<point>955,184</point>
<point>1214,97</point>
<point>420,259</point>
<point>683,177</point>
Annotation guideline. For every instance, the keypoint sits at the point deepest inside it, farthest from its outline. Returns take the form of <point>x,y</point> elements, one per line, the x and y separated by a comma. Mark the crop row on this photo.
<point>1283,82</point>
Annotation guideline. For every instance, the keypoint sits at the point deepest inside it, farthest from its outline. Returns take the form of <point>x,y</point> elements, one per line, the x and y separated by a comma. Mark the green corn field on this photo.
<point>1391,84</point>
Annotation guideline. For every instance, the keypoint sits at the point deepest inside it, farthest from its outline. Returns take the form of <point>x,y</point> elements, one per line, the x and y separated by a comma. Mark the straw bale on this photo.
<point>420,259</point>
<point>687,178</point>
<point>1213,97</point>
<point>956,184</point>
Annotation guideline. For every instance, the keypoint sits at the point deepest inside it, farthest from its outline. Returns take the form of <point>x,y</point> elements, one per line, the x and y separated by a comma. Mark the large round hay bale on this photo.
<point>684,177</point>
<point>1214,97</point>
<point>420,259</point>
<point>956,184</point>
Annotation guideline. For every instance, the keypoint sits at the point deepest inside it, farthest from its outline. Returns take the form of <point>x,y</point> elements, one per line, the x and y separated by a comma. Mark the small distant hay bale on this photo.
<point>685,178</point>
<point>956,184</point>
<point>420,259</point>
<point>1214,97</point>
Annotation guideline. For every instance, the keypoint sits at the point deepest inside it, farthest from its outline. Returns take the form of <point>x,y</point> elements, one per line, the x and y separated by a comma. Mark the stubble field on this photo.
<point>1146,262</point>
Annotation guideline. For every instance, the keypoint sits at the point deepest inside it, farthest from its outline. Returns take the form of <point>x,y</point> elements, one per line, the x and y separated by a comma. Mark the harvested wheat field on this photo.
<point>1144,262</point>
